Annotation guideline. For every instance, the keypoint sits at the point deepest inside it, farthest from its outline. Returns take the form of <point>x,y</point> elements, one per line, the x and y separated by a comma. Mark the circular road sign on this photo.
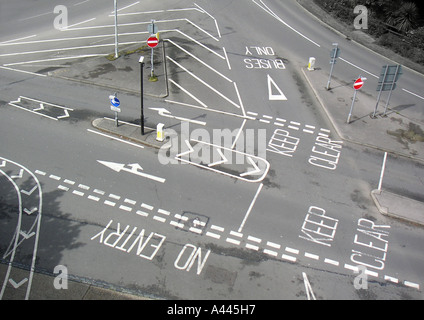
<point>358,84</point>
<point>152,42</point>
<point>114,101</point>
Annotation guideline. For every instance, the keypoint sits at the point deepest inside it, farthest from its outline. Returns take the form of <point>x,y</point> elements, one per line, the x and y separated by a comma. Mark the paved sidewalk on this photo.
<point>393,134</point>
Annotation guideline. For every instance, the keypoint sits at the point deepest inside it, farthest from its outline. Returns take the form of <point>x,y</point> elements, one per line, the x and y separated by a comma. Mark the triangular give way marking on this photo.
<point>271,85</point>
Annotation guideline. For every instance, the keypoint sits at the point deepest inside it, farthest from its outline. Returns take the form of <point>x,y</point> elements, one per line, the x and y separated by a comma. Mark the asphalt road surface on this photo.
<point>253,196</point>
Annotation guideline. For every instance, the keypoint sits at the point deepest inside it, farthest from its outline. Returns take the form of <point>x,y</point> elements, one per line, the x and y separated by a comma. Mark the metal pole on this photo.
<point>391,90</point>
<point>116,118</point>
<point>381,89</point>
<point>333,61</point>
<point>141,98</point>
<point>116,28</point>
<point>351,107</point>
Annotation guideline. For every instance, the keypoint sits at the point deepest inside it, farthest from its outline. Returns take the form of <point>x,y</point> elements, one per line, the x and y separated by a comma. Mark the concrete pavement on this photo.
<point>392,133</point>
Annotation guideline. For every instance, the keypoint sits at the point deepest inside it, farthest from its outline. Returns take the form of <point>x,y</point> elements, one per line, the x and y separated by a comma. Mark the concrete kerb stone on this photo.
<point>399,207</point>
<point>128,131</point>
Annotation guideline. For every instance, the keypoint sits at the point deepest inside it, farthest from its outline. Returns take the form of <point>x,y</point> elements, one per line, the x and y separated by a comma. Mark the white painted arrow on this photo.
<point>40,108</point>
<point>28,193</point>
<point>164,112</point>
<point>26,235</point>
<point>17,285</point>
<point>29,212</point>
<point>118,167</point>
<point>19,175</point>
<point>255,170</point>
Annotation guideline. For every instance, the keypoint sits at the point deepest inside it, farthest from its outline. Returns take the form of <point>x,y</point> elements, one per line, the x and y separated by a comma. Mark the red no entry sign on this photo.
<point>152,42</point>
<point>358,84</point>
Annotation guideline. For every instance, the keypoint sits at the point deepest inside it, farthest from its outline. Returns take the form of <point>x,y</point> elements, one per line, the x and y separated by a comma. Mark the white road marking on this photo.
<point>250,207</point>
<point>213,235</point>
<point>333,262</point>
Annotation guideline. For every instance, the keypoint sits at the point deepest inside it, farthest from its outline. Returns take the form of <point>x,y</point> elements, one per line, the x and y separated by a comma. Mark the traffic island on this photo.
<point>129,131</point>
<point>397,206</point>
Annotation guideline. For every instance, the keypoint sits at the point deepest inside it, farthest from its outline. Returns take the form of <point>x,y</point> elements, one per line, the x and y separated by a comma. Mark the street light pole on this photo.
<point>141,61</point>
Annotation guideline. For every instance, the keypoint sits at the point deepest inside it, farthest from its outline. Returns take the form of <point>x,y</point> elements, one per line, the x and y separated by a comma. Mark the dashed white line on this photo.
<point>94,198</point>
<point>251,246</point>
<point>41,173</point>
<point>63,188</point>
<point>291,250</point>
<point>289,258</point>
<point>332,262</point>
<point>214,227</point>
<point>213,235</point>
<point>391,279</point>
<point>109,203</point>
<point>78,193</point>
<point>142,213</point>
<point>160,219</point>
<point>254,239</point>
<point>69,182</point>
<point>273,245</point>
<point>83,186</point>
<point>101,192</point>
<point>311,256</point>
<point>411,284</point>
<point>125,208</point>
<point>52,176</point>
<point>237,234</point>
<point>132,202</point>
<point>270,252</point>
<point>177,224</point>
<point>146,206</point>
<point>114,196</point>
<point>164,212</point>
<point>233,241</point>
<point>195,230</point>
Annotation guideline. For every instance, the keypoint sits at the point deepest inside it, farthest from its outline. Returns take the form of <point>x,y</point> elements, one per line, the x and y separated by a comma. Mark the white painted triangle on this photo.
<point>271,85</point>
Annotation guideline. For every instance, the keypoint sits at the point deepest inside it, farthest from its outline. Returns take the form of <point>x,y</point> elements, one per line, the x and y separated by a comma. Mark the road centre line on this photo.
<point>269,11</point>
<point>414,94</point>
<point>354,65</point>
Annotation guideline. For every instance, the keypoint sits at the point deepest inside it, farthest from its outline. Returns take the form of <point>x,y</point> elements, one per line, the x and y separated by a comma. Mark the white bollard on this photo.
<point>159,132</point>
<point>311,64</point>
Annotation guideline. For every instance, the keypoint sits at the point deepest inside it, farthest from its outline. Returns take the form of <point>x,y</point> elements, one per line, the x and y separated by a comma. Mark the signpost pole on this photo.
<point>141,61</point>
<point>116,29</point>
<point>381,90</point>
<point>351,107</point>
<point>391,90</point>
<point>334,56</point>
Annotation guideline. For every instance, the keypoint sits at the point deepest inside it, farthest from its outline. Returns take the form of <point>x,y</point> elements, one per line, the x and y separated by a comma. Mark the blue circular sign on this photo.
<point>115,102</point>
